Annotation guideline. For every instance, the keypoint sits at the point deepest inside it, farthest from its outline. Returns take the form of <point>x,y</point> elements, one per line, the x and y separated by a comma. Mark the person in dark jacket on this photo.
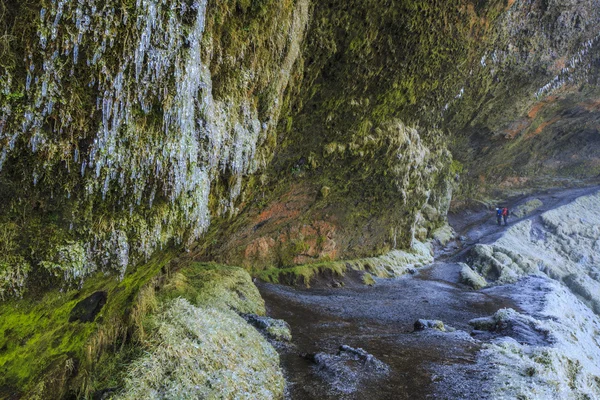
<point>499,215</point>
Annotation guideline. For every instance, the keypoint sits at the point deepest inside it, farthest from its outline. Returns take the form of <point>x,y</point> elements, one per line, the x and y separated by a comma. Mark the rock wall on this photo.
<point>129,126</point>
<point>125,126</point>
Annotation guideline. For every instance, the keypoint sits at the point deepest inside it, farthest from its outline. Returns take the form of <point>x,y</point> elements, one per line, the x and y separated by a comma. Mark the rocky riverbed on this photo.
<point>529,333</point>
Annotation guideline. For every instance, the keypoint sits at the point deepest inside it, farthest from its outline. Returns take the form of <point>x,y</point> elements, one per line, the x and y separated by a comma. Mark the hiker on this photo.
<point>499,215</point>
<point>505,215</point>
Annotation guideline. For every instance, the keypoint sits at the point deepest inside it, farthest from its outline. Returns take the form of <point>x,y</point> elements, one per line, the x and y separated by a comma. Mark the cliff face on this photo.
<point>273,133</point>
<point>507,87</point>
<point>129,126</point>
<point>125,126</point>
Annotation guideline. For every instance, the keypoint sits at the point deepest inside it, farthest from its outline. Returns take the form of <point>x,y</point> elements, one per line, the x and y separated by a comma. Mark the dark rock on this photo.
<point>422,324</point>
<point>345,370</point>
<point>275,329</point>
<point>87,309</point>
<point>104,394</point>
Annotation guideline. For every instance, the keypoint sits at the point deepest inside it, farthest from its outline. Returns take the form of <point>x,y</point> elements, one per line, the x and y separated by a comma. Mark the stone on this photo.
<point>527,208</point>
<point>423,324</point>
<point>471,278</point>
<point>444,235</point>
<point>344,371</point>
<point>275,329</point>
<point>87,309</point>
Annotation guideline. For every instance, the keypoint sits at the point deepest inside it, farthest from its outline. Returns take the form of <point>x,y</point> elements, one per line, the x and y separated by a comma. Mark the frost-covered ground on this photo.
<point>524,310</point>
<point>549,265</point>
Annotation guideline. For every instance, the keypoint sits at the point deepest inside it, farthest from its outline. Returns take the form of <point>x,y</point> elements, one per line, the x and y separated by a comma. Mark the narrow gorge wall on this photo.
<point>126,126</point>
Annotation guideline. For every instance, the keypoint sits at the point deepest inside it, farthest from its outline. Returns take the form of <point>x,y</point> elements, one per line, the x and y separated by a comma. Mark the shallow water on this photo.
<point>380,320</point>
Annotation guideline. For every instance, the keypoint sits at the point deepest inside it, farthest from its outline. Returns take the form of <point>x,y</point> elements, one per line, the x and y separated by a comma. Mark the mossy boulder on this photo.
<point>527,208</point>
<point>471,278</point>
<point>204,352</point>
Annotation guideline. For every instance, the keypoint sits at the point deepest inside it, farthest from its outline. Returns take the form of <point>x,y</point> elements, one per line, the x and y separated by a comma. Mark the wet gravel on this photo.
<point>380,320</point>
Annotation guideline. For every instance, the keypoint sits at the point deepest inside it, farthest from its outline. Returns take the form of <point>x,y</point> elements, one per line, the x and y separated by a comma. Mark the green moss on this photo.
<point>38,344</point>
<point>367,279</point>
<point>303,274</point>
<point>218,286</point>
<point>204,352</point>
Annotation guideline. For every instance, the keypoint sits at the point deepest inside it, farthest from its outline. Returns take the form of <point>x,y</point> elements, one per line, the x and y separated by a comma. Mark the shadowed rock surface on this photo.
<point>87,309</point>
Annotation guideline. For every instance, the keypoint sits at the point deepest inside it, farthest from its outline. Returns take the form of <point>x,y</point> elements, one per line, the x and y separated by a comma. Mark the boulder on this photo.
<point>275,329</point>
<point>471,278</point>
<point>423,324</point>
<point>344,371</point>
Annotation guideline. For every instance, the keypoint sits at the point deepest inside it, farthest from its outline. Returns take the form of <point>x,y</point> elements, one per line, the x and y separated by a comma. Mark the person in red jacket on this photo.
<point>505,215</point>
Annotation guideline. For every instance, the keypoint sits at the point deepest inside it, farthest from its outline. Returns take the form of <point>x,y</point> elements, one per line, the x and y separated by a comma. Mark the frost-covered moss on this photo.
<point>444,234</point>
<point>124,126</point>
<point>216,286</point>
<point>204,352</point>
<point>471,278</point>
<point>13,275</point>
<point>564,248</point>
<point>392,264</point>
<point>527,208</point>
<point>550,352</point>
<point>69,263</point>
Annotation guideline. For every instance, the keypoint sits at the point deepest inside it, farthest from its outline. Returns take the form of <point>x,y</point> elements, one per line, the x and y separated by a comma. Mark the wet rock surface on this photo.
<point>344,371</point>
<point>87,309</point>
<point>275,329</point>
<point>380,320</point>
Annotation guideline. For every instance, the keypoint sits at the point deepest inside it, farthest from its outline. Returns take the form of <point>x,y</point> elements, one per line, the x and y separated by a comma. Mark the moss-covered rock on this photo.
<point>527,208</point>
<point>392,264</point>
<point>204,352</point>
<point>215,286</point>
<point>47,354</point>
<point>471,278</point>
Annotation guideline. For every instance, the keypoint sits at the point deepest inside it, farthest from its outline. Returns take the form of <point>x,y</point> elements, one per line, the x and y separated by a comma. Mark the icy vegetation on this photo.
<point>550,352</point>
<point>208,338</point>
<point>396,262</point>
<point>135,124</point>
<point>205,353</point>
<point>471,278</point>
<point>527,208</point>
<point>552,348</point>
<point>564,245</point>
